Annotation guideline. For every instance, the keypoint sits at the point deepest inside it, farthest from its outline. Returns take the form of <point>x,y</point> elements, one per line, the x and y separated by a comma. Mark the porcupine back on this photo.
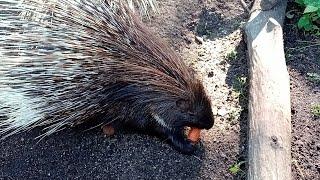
<point>79,60</point>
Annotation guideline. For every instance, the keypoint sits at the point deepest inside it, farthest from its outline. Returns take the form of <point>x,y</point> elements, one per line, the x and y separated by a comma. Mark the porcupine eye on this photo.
<point>183,105</point>
<point>186,114</point>
<point>198,115</point>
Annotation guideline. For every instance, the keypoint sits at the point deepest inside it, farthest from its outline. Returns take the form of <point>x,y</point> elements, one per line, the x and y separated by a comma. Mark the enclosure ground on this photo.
<point>208,36</point>
<point>210,40</point>
<point>303,60</point>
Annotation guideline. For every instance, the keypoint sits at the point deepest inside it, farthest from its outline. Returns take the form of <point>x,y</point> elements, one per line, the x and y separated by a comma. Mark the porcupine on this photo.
<point>80,60</point>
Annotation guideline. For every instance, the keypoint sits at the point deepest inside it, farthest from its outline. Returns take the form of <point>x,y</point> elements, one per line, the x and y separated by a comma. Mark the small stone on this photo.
<point>298,142</point>
<point>214,111</point>
<point>199,40</point>
<point>188,40</point>
<point>210,74</point>
<point>222,112</point>
<point>201,53</point>
<point>223,155</point>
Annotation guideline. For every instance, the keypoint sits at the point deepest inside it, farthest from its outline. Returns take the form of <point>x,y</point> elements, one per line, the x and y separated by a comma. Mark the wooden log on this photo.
<point>269,144</point>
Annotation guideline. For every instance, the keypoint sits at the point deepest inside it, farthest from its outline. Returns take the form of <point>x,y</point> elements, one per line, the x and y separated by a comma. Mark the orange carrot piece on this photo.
<point>194,134</point>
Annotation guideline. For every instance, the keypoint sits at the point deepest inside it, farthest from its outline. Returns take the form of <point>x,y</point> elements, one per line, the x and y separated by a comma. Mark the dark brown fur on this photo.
<point>118,73</point>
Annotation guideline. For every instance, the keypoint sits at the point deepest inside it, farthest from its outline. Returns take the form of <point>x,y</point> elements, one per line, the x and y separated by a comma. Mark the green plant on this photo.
<point>234,116</point>
<point>235,168</point>
<point>240,85</point>
<point>315,110</point>
<point>313,77</point>
<point>311,15</point>
<point>232,55</point>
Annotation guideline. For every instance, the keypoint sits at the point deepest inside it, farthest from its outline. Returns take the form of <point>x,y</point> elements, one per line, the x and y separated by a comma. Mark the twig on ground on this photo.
<point>295,163</point>
<point>245,6</point>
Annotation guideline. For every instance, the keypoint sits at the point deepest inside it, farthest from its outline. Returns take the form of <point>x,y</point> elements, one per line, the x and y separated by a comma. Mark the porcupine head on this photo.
<point>64,62</point>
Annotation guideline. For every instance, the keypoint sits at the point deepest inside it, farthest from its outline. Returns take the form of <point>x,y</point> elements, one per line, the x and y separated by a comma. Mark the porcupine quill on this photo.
<point>64,62</point>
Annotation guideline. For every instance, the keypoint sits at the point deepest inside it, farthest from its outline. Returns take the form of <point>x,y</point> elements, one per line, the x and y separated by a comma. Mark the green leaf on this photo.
<point>313,77</point>
<point>300,2</point>
<point>309,27</point>
<point>315,3</point>
<point>234,169</point>
<point>305,22</point>
<point>311,15</point>
<point>314,17</point>
<point>315,110</point>
<point>310,9</point>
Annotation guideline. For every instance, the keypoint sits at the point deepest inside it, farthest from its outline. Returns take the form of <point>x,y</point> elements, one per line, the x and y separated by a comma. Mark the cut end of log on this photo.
<point>272,23</point>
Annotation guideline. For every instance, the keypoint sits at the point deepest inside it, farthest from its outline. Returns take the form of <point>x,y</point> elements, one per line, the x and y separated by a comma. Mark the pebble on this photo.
<point>214,110</point>
<point>222,112</point>
<point>199,40</point>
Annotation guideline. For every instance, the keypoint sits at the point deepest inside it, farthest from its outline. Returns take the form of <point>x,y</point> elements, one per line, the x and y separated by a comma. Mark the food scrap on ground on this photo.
<point>194,135</point>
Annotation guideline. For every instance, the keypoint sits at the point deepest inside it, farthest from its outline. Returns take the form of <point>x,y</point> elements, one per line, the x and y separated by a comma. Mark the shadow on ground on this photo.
<point>238,80</point>
<point>78,155</point>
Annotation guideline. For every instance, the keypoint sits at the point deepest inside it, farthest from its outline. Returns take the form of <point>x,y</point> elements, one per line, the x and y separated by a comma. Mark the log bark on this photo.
<point>269,143</point>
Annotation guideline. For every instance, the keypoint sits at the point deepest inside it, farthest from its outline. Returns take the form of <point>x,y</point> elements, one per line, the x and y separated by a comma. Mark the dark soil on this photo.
<point>88,155</point>
<point>303,57</point>
<point>204,32</point>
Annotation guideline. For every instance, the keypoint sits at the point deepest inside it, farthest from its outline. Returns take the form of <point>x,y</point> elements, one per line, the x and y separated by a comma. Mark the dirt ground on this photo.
<point>303,58</point>
<point>208,35</point>
<point>218,54</point>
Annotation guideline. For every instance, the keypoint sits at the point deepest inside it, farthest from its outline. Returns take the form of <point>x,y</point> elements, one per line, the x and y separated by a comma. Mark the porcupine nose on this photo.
<point>208,123</point>
<point>204,124</point>
<point>208,126</point>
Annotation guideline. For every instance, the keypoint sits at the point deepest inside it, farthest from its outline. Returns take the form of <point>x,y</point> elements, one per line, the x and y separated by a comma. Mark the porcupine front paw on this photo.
<point>182,144</point>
